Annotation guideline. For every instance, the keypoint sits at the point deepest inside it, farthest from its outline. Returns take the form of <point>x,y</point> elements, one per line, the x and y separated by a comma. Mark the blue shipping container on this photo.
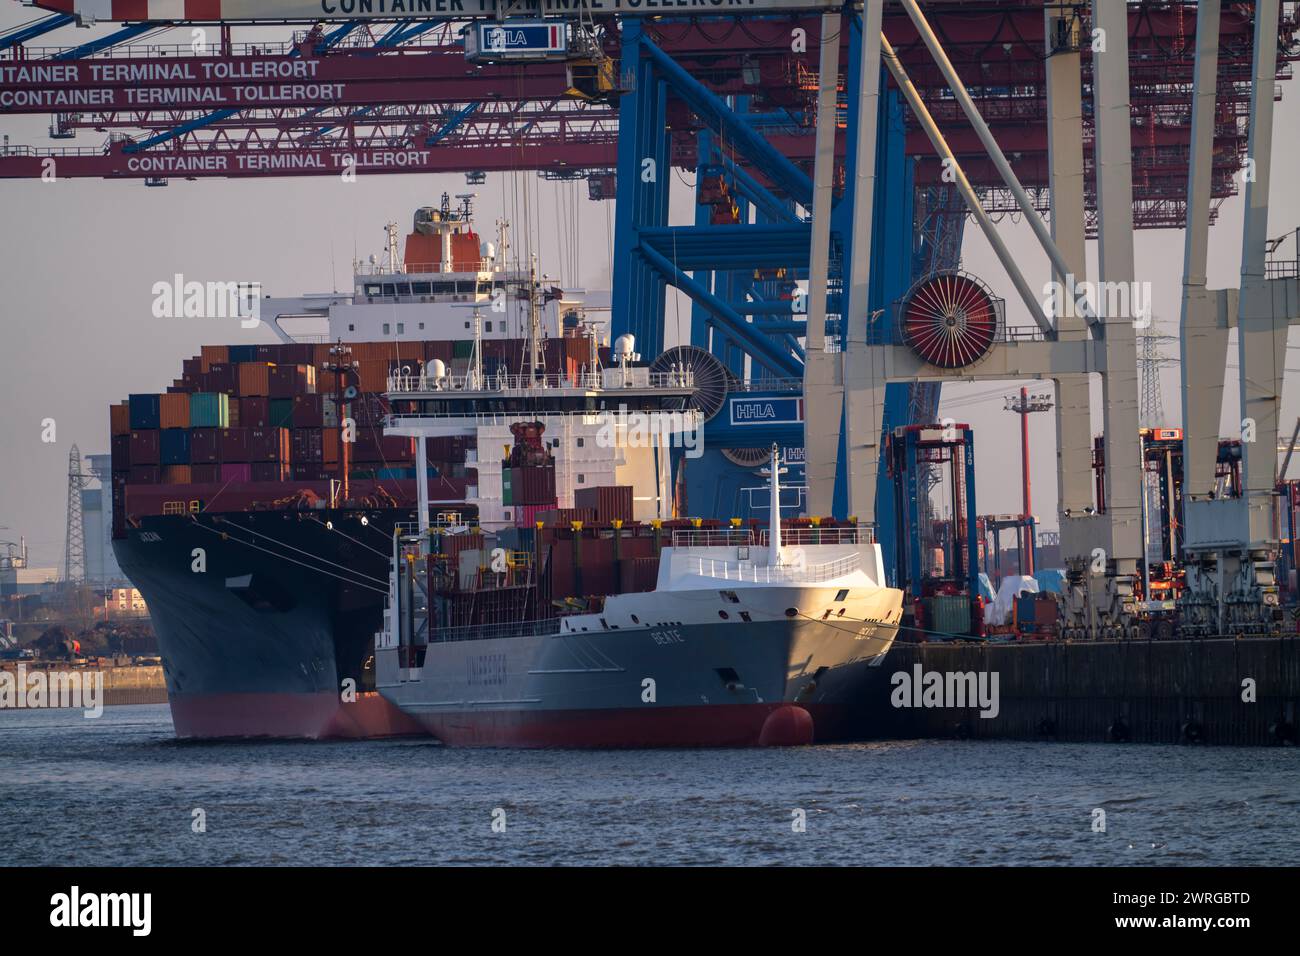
<point>145,411</point>
<point>243,353</point>
<point>175,446</point>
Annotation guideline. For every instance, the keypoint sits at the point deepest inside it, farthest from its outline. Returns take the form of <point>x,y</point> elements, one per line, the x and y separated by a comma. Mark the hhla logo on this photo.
<point>42,689</point>
<point>179,299</point>
<point>75,909</point>
<point>923,688</point>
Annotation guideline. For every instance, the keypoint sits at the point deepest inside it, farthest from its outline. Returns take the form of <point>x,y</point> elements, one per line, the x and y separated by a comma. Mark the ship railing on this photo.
<point>510,382</point>
<point>486,632</point>
<point>802,536</point>
<point>767,385</point>
<point>796,573</point>
<point>713,538</point>
<point>739,537</point>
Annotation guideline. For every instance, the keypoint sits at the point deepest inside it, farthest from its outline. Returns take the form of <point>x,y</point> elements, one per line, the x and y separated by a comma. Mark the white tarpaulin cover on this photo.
<point>1012,586</point>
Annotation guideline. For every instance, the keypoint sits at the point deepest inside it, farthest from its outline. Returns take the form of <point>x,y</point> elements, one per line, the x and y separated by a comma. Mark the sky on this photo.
<point>79,258</point>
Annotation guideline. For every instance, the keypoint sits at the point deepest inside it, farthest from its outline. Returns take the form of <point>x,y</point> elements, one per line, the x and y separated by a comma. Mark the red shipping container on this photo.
<point>220,377</point>
<point>268,444</point>
<point>234,445</point>
<point>254,412</point>
<point>270,471</point>
<point>205,445</point>
<point>286,381</point>
<point>308,411</point>
<point>144,447</point>
<point>236,471</point>
<point>144,475</point>
<point>561,517</point>
<point>610,502</point>
<point>204,474</point>
<point>532,485</point>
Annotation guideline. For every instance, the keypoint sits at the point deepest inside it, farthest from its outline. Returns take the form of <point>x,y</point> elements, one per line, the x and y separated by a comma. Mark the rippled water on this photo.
<point>120,790</point>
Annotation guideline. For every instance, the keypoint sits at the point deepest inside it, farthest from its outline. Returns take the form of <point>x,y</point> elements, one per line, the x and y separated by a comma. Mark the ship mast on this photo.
<point>774,471</point>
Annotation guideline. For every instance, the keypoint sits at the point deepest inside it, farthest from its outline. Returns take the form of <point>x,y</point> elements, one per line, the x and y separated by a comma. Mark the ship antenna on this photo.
<point>476,356</point>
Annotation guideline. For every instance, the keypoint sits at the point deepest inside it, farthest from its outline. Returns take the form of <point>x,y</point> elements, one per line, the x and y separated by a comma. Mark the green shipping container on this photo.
<point>281,413</point>
<point>209,410</point>
<point>462,349</point>
<point>949,614</point>
<point>507,490</point>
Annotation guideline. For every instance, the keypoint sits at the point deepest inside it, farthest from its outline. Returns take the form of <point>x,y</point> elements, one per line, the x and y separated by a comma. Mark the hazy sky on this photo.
<point>78,259</point>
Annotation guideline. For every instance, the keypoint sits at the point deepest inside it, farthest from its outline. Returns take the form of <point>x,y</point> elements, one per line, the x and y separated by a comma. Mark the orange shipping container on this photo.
<point>255,379</point>
<point>330,445</point>
<point>209,354</point>
<point>174,410</point>
<point>373,376</point>
<point>177,475</point>
<point>119,419</point>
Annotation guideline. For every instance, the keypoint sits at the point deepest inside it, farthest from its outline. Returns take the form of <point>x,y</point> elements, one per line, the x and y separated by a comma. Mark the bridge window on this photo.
<point>386,327</point>
<point>390,290</point>
<point>373,288</point>
<point>421,288</point>
<point>401,328</point>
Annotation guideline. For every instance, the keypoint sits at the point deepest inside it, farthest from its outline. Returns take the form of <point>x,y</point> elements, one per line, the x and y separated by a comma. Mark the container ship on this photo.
<point>700,635</point>
<point>255,499</point>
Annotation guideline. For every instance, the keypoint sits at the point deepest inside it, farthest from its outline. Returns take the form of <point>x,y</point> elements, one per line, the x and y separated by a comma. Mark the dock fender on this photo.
<point>787,726</point>
<point>1118,732</point>
<point>1282,731</point>
<point>1192,732</point>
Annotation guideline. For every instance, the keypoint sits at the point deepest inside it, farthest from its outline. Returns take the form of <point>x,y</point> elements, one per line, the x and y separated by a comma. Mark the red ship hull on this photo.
<point>732,725</point>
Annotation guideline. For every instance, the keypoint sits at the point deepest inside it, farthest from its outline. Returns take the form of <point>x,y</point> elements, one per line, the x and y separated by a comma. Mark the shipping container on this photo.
<point>268,444</point>
<point>209,410</point>
<point>174,446</point>
<point>144,447</point>
<point>234,445</point>
<point>254,412</point>
<point>145,411</point>
<point>255,379</point>
<point>243,353</point>
<point>205,473</point>
<point>236,472</point>
<point>205,446</point>
<point>561,517</point>
<point>174,410</point>
<point>119,419</point>
<point>308,411</point>
<point>144,475</point>
<point>177,475</point>
<point>221,377</point>
<point>120,452</point>
<point>526,516</point>
<point>280,413</point>
<point>610,502</point>
<point>286,381</point>
<point>212,354</point>
<point>533,484</point>
<point>308,447</point>
<point>270,471</point>
<point>236,420</point>
<point>330,445</point>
